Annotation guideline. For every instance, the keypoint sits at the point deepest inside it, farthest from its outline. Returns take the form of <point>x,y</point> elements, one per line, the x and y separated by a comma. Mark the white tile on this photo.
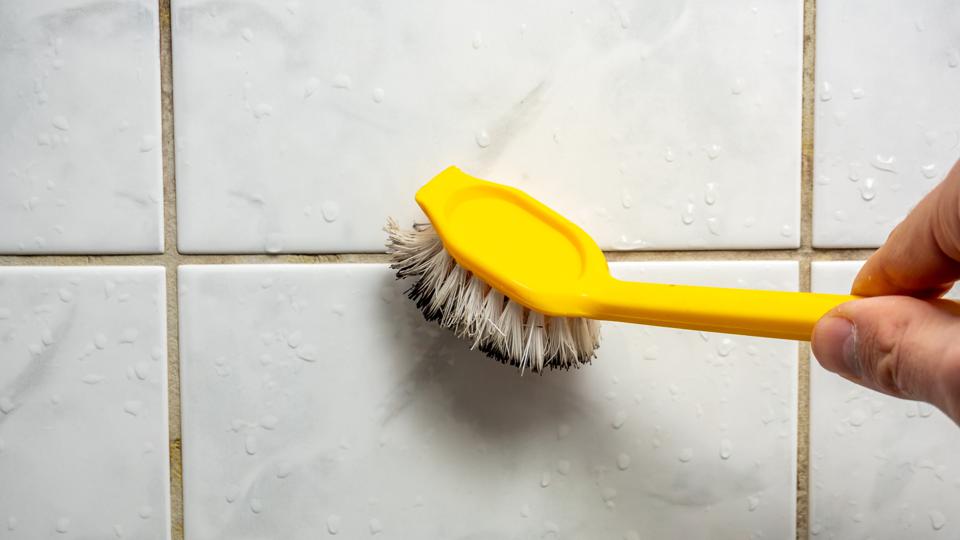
<point>316,399</point>
<point>80,127</point>
<point>659,124</point>
<point>83,409</point>
<point>881,467</point>
<point>887,123</point>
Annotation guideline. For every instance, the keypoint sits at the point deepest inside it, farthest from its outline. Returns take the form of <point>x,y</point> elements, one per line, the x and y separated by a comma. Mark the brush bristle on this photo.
<point>503,329</point>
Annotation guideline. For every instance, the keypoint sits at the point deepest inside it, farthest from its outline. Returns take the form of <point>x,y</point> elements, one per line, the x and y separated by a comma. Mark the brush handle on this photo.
<point>773,314</point>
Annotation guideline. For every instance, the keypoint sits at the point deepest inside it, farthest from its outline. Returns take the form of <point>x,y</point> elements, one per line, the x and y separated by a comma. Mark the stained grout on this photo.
<point>805,255</point>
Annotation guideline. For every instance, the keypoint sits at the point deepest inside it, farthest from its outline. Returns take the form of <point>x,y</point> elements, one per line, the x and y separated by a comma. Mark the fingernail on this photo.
<point>835,346</point>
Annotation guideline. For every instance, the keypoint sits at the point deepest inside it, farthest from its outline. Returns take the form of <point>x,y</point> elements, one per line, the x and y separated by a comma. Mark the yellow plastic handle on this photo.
<point>774,314</point>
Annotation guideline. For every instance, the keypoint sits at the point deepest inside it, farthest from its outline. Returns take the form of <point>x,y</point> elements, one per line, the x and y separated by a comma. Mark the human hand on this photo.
<point>897,344</point>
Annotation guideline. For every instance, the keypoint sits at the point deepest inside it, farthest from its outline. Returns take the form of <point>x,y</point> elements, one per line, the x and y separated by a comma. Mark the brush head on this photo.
<point>500,327</point>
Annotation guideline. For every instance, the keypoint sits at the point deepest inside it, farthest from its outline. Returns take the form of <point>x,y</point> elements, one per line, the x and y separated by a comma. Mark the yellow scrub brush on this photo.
<point>526,285</point>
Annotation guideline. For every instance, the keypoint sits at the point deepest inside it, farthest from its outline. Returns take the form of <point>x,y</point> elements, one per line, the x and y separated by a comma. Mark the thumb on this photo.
<point>897,345</point>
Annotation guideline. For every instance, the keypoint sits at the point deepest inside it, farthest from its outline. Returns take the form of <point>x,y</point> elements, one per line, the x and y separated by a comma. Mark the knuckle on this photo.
<point>882,362</point>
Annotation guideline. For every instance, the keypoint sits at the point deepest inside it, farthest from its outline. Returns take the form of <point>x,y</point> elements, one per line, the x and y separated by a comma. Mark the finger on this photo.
<point>922,255</point>
<point>897,345</point>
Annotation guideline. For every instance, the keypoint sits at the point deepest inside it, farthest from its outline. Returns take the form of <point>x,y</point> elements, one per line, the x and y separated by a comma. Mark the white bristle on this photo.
<point>451,295</point>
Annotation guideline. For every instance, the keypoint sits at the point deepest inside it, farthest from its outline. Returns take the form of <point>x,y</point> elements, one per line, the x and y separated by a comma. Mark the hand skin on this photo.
<point>898,344</point>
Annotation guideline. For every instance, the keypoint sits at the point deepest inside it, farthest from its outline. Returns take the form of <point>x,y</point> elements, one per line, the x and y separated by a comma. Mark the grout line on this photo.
<point>173,259</point>
<point>170,260</point>
<point>807,254</point>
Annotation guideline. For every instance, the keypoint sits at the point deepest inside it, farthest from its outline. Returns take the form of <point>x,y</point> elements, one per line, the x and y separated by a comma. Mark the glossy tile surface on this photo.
<point>659,124</point>
<point>881,467</point>
<point>887,118</point>
<point>316,402</point>
<point>80,127</point>
<point>83,411</point>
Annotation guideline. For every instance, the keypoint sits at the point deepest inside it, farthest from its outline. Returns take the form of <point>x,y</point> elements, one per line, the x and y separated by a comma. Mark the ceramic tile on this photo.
<point>887,123</point>
<point>83,411</point>
<point>80,135</point>
<point>316,401</point>
<point>301,125</point>
<point>881,467</point>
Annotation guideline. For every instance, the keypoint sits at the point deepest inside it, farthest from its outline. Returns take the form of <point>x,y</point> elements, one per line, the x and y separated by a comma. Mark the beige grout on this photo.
<point>807,255</point>
<point>172,258</point>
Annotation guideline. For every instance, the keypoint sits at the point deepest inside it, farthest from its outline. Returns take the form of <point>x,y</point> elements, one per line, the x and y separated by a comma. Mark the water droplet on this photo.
<point>269,422</point>
<point>623,16</point>
<point>482,138</point>
<point>737,87</point>
<point>133,407</point>
<point>330,211</point>
<point>937,519</point>
<point>753,502</point>
<point>256,505</point>
<point>60,123</point>
<point>545,479</point>
<point>623,461</point>
<point>713,225</point>
<point>63,525</point>
<point>294,339</point>
<point>247,34</point>
<point>840,215</point>
<point>713,151</point>
<point>273,243</point>
<point>5,313</point>
<point>11,523</point>
<point>250,445</point>
<point>867,190</point>
<point>231,493</point>
<point>816,528</point>
<point>786,231</point>
<point>626,200</point>
<point>311,86</point>
<point>953,58</point>
<point>550,529</point>
<point>685,455</point>
<point>262,110</point>
<point>924,409</point>
<point>857,417</point>
<point>710,195</point>
<point>129,335</point>
<point>563,467</point>
<point>563,431</point>
<point>333,524</point>
<point>377,95</point>
<point>725,347</point>
<point>857,93</point>
<point>726,447</point>
<point>687,216</point>
<point>618,419</point>
<point>147,142</point>
<point>375,526</point>
<point>608,494</point>
<point>525,510</point>
<point>929,170</point>
<point>651,352</point>
<point>92,379</point>
<point>283,469</point>
<point>825,92</point>
<point>145,512</point>
<point>100,341</point>
<point>477,40</point>
<point>342,81</point>
<point>668,155</point>
<point>885,163</point>
<point>46,336</point>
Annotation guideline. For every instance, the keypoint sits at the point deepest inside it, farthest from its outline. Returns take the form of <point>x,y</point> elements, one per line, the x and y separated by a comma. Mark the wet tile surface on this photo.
<point>654,125</point>
<point>83,411</point>
<point>80,164</point>
<point>881,467</point>
<point>887,118</point>
<point>317,402</point>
